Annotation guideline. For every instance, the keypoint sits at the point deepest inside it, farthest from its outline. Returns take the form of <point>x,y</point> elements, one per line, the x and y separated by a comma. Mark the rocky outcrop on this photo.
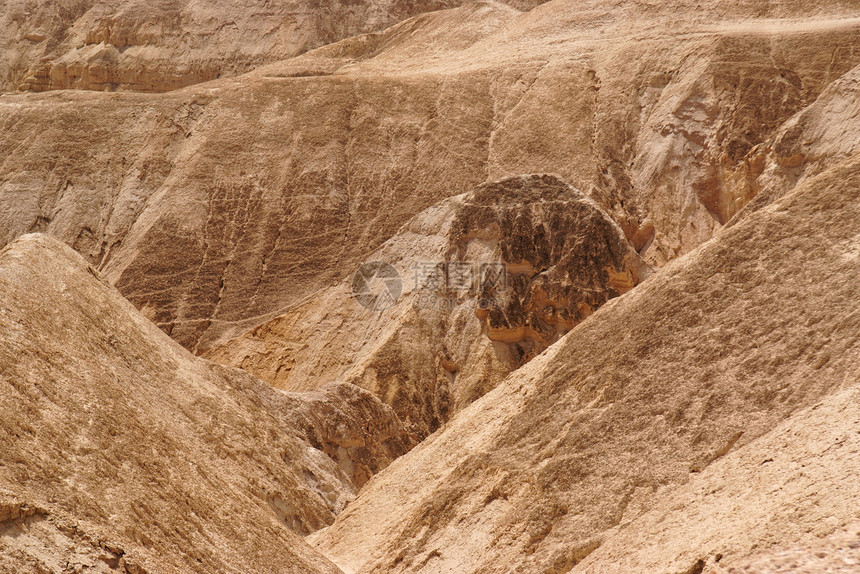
<point>352,224</point>
<point>123,452</point>
<point>820,136</point>
<point>709,412</point>
<point>484,282</point>
<point>562,256</point>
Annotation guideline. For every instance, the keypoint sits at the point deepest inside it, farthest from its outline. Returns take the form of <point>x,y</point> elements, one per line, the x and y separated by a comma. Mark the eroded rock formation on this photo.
<point>148,46</point>
<point>563,257</point>
<point>354,428</point>
<point>574,418</point>
<point>488,280</point>
<point>709,412</point>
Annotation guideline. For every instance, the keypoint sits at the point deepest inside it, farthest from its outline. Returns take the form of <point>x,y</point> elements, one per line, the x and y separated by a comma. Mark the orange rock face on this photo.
<point>708,414</point>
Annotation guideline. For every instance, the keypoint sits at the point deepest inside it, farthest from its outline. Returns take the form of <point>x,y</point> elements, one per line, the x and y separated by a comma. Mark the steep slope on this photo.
<point>791,486</point>
<point>709,355</point>
<point>119,451</point>
<point>219,207</point>
<point>482,283</point>
<point>158,46</point>
<point>837,553</point>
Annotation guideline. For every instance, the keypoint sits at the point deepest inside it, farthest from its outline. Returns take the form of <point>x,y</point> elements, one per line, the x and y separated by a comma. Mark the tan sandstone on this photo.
<point>157,46</point>
<point>485,282</point>
<point>219,207</point>
<point>120,451</point>
<point>668,382</point>
<point>641,440</point>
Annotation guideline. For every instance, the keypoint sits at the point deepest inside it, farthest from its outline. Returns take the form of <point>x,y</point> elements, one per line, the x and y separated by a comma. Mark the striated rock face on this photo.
<point>485,281</point>
<point>710,412</point>
<point>122,452</point>
<point>218,208</point>
<point>790,487</point>
<point>820,136</point>
<point>148,46</point>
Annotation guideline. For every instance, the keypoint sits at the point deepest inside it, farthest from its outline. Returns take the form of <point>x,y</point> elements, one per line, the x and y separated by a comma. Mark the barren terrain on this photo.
<point>429,286</point>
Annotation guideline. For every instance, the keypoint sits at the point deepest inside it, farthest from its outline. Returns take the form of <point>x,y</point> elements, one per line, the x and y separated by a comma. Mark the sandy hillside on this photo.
<point>157,46</point>
<point>486,282</point>
<point>430,286</point>
<point>122,450</point>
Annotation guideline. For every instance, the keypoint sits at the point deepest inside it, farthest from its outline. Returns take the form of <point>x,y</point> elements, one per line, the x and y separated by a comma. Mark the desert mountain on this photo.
<point>484,282</point>
<point>600,258</point>
<point>219,207</point>
<point>156,46</point>
<point>121,450</point>
<point>709,412</point>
